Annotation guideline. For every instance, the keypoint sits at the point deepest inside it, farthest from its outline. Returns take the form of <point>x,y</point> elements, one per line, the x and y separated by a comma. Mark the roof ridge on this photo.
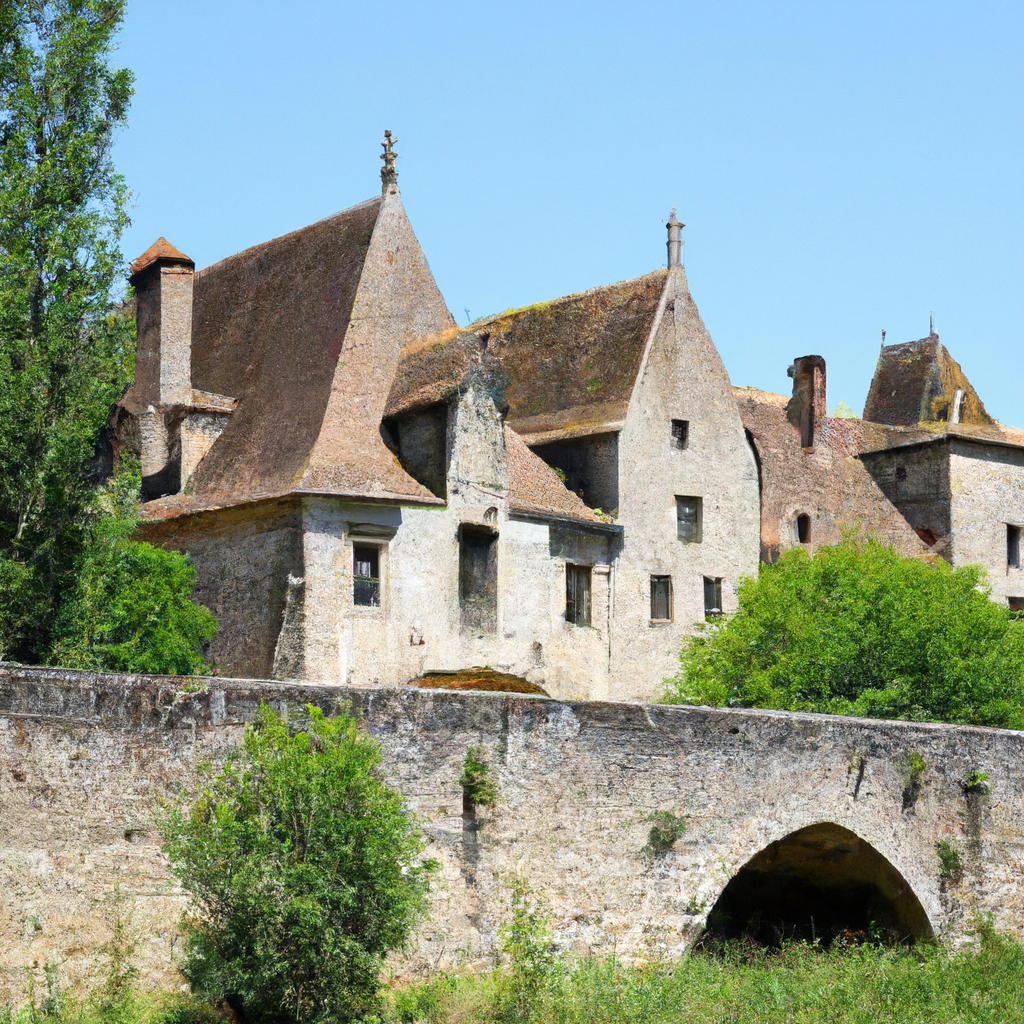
<point>517,310</point>
<point>277,238</point>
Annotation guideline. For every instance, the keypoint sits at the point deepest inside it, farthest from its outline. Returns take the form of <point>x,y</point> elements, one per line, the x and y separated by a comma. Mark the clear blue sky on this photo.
<point>840,167</point>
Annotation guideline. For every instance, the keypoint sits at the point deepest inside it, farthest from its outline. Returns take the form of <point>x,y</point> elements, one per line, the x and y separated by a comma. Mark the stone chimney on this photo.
<point>163,277</point>
<point>807,408</point>
<point>675,241</point>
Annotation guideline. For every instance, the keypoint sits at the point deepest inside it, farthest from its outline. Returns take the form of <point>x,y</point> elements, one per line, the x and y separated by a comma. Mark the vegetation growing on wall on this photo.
<point>860,630</point>
<point>476,780</point>
<point>304,872</point>
<point>67,346</point>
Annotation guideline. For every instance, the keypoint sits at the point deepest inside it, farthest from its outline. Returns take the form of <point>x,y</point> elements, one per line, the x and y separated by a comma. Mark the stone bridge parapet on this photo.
<point>85,760</point>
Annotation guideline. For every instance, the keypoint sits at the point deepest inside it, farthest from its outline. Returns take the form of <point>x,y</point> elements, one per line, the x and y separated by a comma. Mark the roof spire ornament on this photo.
<point>388,174</point>
<point>675,241</point>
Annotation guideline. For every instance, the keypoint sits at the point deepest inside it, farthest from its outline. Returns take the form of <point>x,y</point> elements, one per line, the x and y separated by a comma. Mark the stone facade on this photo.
<point>561,493</point>
<point>86,760</point>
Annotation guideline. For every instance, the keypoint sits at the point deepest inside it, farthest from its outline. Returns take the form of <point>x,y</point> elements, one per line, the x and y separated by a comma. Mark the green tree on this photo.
<point>66,346</point>
<point>304,872</point>
<point>860,630</point>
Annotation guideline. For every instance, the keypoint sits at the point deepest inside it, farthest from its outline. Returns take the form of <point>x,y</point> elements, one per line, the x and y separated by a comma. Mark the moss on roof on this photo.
<point>571,362</point>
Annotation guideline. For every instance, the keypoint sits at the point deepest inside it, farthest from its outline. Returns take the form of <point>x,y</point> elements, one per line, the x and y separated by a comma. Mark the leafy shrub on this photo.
<point>528,953</point>
<point>478,786</point>
<point>303,871</point>
<point>860,630</point>
<point>131,608</point>
<point>976,782</point>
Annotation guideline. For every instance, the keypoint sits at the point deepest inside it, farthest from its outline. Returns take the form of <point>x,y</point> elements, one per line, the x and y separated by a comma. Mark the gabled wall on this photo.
<point>681,377</point>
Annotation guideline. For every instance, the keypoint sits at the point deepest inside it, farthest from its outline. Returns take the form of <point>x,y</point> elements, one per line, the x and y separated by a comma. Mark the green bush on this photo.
<point>131,609</point>
<point>477,783</point>
<point>860,630</point>
<point>303,871</point>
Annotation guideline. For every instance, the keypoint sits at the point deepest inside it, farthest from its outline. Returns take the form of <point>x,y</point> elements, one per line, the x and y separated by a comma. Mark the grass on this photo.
<point>740,985</point>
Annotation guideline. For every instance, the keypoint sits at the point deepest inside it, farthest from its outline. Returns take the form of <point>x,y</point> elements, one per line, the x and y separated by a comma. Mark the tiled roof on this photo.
<point>160,249</point>
<point>917,382</point>
<point>269,325</point>
<point>535,489</point>
<point>571,364</point>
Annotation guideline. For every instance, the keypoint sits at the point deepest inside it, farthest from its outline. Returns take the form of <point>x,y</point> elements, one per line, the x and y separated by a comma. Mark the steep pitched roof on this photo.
<point>917,382</point>
<point>571,363</point>
<point>276,327</point>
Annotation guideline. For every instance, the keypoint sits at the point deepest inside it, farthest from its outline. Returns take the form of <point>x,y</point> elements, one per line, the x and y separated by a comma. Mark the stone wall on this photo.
<point>86,759</point>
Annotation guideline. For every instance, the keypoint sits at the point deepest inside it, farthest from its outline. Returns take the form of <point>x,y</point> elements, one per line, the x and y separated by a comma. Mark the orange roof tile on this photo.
<point>161,249</point>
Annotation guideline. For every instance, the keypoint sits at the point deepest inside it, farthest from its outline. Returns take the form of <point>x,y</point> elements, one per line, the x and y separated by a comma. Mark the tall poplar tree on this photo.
<point>66,346</point>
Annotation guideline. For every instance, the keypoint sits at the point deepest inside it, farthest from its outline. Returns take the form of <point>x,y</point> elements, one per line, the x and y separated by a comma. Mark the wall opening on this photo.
<point>712,596</point>
<point>689,520</point>
<point>803,528</point>
<point>588,466</point>
<point>1013,547</point>
<point>818,884</point>
<point>478,579</point>
<point>577,594</point>
<point>680,433</point>
<point>661,599</point>
<point>366,575</point>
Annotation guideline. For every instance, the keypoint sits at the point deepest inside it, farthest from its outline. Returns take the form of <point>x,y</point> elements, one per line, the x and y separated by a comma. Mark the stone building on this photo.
<point>371,495</point>
<point>926,470</point>
<point>557,494</point>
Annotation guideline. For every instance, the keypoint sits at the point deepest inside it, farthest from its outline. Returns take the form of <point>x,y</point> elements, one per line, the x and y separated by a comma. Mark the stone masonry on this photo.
<point>87,759</point>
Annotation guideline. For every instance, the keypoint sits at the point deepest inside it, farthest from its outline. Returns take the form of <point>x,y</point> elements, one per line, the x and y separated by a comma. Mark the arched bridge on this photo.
<point>646,828</point>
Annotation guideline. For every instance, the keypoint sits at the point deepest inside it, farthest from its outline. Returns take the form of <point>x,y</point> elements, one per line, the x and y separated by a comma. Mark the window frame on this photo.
<point>680,434</point>
<point>656,581</point>
<point>371,584</point>
<point>714,584</point>
<point>575,614</point>
<point>698,501</point>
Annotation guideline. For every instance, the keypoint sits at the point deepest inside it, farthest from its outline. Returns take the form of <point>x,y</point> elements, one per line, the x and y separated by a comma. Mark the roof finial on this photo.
<point>883,337</point>
<point>931,324</point>
<point>388,174</point>
<point>675,242</point>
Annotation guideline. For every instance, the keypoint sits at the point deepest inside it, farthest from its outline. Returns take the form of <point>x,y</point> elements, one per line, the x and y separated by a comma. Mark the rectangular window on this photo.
<point>577,594</point>
<point>366,575</point>
<point>688,520</point>
<point>680,433</point>
<point>1016,604</point>
<point>661,598</point>
<point>1013,547</point>
<point>712,596</point>
<point>478,579</point>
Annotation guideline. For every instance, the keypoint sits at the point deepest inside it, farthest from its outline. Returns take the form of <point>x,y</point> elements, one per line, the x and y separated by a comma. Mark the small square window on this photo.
<point>712,596</point>
<point>366,575</point>
<point>688,520</point>
<point>661,598</point>
<point>680,433</point>
<point>1013,547</point>
<point>1016,604</point>
<point>577,594</point>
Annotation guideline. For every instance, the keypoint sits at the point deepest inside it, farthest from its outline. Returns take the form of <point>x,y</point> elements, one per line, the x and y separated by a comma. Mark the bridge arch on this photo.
<point>817,884</point>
